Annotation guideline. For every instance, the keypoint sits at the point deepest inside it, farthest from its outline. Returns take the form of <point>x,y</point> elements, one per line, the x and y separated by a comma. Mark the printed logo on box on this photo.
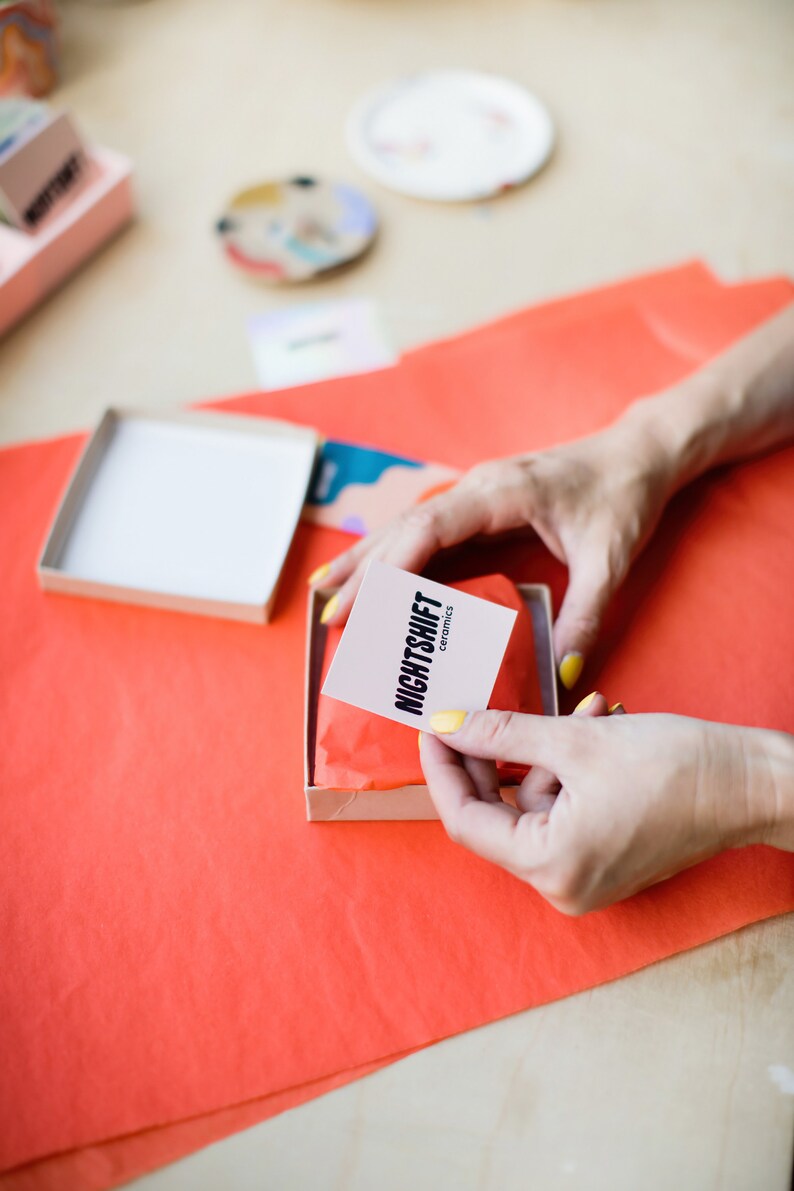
<point>41,169</point>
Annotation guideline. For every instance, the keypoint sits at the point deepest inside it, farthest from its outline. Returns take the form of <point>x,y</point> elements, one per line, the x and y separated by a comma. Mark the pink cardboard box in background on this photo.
<point>33,265</point>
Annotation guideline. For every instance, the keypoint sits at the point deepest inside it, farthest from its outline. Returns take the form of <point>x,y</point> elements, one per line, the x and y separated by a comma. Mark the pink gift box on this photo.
<point>32,265</point>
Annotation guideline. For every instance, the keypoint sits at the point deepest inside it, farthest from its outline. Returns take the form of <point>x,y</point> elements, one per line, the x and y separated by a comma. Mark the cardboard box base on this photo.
<point>404,802</point>
<point>165,510</point>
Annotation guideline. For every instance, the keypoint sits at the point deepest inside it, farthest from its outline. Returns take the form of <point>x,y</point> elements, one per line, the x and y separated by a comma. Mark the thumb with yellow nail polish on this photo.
<point>445,722</point>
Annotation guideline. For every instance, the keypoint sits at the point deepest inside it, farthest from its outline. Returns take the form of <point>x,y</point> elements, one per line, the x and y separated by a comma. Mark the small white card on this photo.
<point>412,647</point>
<point>303,344</point>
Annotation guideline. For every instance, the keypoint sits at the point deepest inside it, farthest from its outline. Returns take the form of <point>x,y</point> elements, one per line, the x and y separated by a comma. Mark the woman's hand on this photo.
<point>593,503</point>
<point>639,797</point>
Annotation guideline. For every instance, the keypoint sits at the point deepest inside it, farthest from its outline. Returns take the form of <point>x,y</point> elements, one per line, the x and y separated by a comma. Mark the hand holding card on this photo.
<point>364,766</point>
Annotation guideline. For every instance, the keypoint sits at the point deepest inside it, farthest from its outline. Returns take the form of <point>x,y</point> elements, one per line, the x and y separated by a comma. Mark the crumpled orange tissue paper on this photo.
<point>182,952</point>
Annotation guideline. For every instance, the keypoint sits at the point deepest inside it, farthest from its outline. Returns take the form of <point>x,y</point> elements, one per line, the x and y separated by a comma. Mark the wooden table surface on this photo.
<point>676,140</point>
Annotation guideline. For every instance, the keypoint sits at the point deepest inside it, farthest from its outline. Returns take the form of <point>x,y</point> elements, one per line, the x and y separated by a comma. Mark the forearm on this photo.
<point>739,404</point>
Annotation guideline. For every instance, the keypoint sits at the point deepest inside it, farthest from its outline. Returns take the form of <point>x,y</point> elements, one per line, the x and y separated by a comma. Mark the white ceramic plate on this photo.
<point>450,135</point>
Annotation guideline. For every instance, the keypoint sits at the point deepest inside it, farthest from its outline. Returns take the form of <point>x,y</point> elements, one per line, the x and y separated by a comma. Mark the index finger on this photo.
<point>409,542</point>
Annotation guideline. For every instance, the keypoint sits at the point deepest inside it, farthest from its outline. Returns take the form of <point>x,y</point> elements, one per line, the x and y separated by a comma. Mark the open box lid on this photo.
<point>189,511</point>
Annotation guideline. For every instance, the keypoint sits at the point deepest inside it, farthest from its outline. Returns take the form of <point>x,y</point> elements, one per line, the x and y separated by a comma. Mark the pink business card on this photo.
<point>412,647</point>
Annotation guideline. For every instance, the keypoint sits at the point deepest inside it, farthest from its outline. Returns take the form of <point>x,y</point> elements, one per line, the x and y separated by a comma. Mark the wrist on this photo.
<point>649,449</point>
<point>684,429</point>
<point>740,403</point>
<point>768,759</point>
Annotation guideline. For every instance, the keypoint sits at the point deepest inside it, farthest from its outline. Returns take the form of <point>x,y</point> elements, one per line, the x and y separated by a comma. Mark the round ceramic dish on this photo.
<point>450,135</point>
<point>295,230</point>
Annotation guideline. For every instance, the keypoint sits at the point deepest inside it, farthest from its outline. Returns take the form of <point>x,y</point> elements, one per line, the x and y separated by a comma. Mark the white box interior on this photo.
<point>201,506</point>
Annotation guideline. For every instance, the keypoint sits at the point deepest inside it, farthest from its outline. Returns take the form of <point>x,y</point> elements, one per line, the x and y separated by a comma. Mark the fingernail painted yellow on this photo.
<point>330,609</point>
<point>320,573</point>
<point>419,741</point>
<point>570,669</point>
<point>447,721</point>
<point>588,699</point>
<point>616,707</point>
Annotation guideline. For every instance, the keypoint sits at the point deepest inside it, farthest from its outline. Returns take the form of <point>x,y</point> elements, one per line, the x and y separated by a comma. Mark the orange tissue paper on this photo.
<point>182,952</point>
